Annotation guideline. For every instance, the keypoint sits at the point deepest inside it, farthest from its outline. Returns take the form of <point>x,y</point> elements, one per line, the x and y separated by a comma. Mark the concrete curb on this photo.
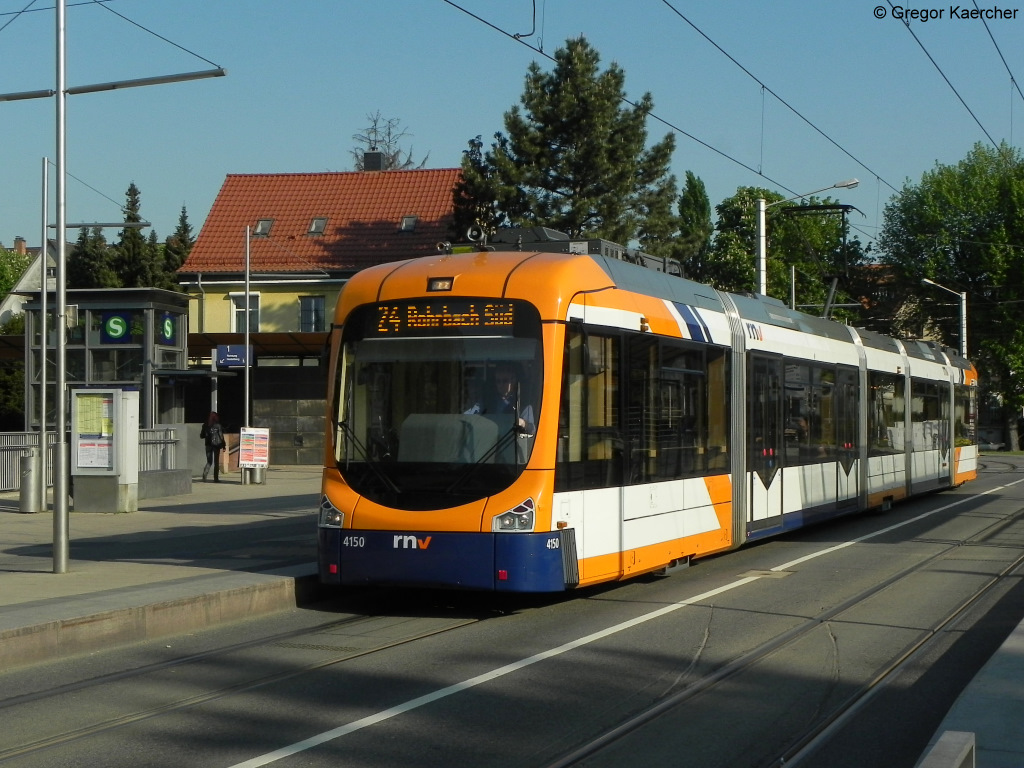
<point>28,635</point>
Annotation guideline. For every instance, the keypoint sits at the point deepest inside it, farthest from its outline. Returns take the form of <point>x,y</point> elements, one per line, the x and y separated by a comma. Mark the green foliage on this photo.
<point>475,204</point>
<point>572,158</point>
<point>809,240</point>
<point>692,245</point>
<point>12,382</point>
<point>962,226</point>
<point>176,249</point>
<point>135,261</point>
<point>12,267</point>
<point>91,262</point>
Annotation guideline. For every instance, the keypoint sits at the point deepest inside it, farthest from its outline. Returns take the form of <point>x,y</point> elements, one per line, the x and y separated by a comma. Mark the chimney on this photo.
<point>19,246</point>
<point>373,161</point>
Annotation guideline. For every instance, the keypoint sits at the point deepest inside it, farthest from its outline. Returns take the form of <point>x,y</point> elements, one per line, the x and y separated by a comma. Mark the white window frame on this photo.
<point>238,311</point>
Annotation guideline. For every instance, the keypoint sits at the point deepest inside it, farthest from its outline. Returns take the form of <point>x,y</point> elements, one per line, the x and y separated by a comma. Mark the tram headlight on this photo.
<point>330,515</point>
<point>520,518</point>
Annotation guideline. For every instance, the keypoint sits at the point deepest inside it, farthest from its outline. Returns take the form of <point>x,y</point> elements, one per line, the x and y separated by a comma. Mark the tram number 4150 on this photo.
<point>553,543</point>
<point>354,541</point>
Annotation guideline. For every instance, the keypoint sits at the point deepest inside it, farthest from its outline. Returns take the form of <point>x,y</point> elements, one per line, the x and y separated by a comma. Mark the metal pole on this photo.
<point>762,248</point>
<point>44,284</point>
<point>963,324</point>
<point>792,286</point>
<point>60,453</point>
<point>245,472</point>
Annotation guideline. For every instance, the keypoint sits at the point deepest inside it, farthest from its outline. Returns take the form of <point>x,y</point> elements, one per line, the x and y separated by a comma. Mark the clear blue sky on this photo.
<point>304,74</point>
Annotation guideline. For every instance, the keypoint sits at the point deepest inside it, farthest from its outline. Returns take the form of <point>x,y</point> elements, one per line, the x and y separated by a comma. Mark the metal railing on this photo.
<point>158,449</point>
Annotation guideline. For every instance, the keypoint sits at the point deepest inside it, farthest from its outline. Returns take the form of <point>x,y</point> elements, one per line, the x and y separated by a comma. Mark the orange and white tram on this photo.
<point>537,417</point>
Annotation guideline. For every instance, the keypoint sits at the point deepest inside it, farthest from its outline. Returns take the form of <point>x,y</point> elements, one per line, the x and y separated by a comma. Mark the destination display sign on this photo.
<point>455,316</point>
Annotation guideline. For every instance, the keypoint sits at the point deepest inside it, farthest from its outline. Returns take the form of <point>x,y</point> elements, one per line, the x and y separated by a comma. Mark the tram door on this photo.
<point>764,440</point>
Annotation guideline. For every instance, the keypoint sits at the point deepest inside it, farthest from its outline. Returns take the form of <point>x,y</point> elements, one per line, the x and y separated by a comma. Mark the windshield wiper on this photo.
<point>499,444</point>
<point>380,473</point>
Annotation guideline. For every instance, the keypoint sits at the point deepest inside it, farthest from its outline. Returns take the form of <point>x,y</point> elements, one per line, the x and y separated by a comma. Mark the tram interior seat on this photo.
<point>446,438</point>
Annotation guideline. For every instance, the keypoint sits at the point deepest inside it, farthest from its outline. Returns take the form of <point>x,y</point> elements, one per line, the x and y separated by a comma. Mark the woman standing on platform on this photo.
<point>213,434</point>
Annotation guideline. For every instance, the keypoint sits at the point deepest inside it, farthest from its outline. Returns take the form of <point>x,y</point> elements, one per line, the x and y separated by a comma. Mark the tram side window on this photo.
<point>965,405</point>
<point>675,428</point>
<point>590,444</point>
<point>926,414</point>
<point>886,413</point>
<point>810,412</point>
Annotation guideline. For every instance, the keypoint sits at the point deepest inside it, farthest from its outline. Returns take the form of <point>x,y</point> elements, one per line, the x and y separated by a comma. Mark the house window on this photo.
<point>408,224</point>
<point>317,226</point>
<point>311,314</point>
<point>238,300</point>
<point>263,227</point>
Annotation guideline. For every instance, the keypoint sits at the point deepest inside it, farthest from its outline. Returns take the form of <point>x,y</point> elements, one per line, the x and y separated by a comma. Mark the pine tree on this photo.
<point>90,263</point>
<point>178,246</point>
<point>156,255</point>
<point>573,158</point>
<point>133,260</point>
<point>692,244</point>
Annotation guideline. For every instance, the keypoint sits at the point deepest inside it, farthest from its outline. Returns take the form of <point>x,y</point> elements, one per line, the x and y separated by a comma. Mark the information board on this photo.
<point>93,429</point>
<point>253,448</point>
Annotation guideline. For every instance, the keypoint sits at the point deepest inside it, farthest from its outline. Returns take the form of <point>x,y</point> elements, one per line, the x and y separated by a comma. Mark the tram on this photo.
<point>538,414</point>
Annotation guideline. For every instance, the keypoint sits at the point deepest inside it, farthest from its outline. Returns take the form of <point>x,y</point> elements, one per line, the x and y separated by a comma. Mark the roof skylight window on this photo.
<point>317,226</point>
<point>408,224</point>
<point>263,227</point>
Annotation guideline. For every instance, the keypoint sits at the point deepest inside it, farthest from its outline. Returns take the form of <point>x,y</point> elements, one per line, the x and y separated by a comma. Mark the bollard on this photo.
<point>29,497</point>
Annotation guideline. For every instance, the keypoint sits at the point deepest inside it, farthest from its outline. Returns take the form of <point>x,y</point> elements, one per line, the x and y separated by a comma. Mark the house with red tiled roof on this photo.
<point>308,233</point>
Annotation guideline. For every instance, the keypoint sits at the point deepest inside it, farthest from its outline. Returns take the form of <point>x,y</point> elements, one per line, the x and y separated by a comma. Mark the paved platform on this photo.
<point>224,552</point>
<point>992,709</point>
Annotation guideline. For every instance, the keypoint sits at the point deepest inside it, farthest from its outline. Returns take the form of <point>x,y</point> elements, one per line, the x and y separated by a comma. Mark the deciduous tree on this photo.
<point>962,226</point>
<point>385,135</point>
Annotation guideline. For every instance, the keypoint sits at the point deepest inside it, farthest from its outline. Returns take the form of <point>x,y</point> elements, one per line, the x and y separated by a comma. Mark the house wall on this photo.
<point>212,310</point>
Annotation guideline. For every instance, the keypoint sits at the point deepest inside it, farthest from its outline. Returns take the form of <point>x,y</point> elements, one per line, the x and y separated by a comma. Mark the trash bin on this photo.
<point>29,496</point>
<point>259,475</point>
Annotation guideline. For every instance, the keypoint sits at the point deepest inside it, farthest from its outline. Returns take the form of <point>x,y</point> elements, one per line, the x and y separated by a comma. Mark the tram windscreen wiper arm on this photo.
<point>381,475</point>
<point>489,454</point>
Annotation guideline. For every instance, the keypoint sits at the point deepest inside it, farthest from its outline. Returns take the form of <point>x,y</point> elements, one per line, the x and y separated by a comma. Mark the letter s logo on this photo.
<point>116,327</point>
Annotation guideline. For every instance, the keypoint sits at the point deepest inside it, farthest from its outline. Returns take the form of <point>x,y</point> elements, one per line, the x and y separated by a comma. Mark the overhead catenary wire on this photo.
<point>652,115</point>
<point>1013,80</point>
<point>935,64</point>
<point>103,4</point>
<point>782,101</point>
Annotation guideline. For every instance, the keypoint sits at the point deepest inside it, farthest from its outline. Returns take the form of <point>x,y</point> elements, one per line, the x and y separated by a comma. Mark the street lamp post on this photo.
<point>963,313</point>
<point>762,234</point>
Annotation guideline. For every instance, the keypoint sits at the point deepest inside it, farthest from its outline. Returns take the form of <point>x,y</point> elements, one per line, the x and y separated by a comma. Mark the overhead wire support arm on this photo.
<point>116,85</point>
<point>143,81</point>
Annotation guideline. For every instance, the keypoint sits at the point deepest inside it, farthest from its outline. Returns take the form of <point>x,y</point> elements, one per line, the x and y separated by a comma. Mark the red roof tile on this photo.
<point>364,212</point>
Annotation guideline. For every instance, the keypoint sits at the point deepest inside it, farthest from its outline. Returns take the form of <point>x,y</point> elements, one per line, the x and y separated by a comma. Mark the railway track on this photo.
<point>322,639</point>
<point>803,745</point>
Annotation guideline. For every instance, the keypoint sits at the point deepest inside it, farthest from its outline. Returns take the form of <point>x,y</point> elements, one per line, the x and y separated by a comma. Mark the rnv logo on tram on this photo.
<point>411,542</point>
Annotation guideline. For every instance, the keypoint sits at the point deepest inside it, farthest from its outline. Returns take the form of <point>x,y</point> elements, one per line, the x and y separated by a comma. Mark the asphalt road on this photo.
<point>734,662</point>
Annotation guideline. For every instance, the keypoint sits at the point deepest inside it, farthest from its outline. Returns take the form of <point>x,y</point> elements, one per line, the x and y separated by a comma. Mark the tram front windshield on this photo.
<point>434,417</point>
